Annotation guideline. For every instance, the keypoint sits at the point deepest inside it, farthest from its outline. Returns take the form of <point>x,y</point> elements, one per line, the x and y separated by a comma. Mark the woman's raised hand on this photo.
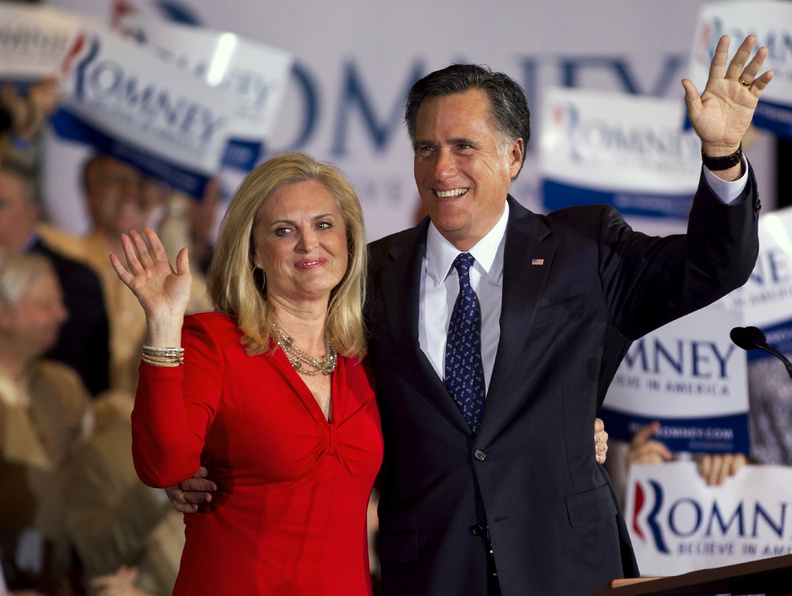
<point>163,293</point>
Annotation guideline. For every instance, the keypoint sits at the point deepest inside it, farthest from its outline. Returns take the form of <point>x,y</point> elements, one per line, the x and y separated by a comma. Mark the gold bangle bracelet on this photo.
<point>157,362</point>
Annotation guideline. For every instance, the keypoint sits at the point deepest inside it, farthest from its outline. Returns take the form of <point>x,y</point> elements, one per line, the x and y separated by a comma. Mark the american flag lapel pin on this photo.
<point>537,261</point>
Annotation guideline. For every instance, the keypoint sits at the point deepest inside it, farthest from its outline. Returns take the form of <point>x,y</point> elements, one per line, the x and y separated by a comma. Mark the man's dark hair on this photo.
<point>511,117</point>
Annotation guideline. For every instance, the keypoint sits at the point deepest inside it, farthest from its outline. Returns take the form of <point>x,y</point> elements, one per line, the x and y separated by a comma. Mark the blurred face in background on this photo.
<point>17,215</point>
<point>32,325</point>
<point>116,196</point>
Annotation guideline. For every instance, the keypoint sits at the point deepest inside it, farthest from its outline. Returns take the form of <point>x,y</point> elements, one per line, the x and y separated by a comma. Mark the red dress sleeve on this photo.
<point>173,407</point>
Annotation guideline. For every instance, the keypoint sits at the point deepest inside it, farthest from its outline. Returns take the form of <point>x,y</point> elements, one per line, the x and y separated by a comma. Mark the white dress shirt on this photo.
<point>440,287</point>
<point>440,283</point>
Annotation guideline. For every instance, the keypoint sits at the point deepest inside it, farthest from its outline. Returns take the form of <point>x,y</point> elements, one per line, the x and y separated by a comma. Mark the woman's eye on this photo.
<point>324,225</point>
<point>282,231</point>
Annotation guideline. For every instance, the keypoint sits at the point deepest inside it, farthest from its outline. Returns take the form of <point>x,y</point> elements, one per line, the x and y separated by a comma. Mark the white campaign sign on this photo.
<point>679,524</point>
<point>648,385</point>
<point>767,296</point>
<point>254,74</point>
<point>616,143</point>
<point>689,376</point>
<point>624,150</point>
<point>127,102</point>
<point>771,22</point>
<point>354,62</point>
<point>34,40</point>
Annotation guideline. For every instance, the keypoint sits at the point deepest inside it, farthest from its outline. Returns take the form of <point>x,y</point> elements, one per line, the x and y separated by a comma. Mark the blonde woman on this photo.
<point>268,392</point>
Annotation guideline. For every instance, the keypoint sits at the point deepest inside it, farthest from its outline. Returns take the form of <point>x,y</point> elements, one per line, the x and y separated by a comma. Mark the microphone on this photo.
<point>753,338</point>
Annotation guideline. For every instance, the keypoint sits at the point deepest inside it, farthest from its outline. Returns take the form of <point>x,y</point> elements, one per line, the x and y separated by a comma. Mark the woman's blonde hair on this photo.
<point>237,288</point>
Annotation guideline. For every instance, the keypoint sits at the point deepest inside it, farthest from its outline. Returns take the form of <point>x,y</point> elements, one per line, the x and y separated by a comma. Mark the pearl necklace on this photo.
<point>297,357</point>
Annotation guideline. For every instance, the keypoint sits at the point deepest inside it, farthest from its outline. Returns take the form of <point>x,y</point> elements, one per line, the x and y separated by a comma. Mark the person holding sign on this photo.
<point>22,118</point>
<point>644,448</point>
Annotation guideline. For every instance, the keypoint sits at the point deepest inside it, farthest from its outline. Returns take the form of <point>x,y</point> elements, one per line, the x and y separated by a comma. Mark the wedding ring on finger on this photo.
<point>745,83</point>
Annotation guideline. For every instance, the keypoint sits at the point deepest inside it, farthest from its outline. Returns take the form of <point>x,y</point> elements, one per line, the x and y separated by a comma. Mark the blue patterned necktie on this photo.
<point>464,371</point>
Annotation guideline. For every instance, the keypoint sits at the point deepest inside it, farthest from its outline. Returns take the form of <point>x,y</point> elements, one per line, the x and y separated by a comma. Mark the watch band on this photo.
<point>722,163</point>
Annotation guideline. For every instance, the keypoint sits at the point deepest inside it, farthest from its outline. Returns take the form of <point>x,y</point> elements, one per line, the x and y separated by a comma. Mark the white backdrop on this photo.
<point>357,59</point>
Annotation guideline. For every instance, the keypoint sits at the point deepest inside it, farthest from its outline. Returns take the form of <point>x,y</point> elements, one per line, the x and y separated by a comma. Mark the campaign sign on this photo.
<point>771,22</point>
<point>622,150</point>
<point>679,524</point>
<point>691,377</point>
<point>255,76</point>
<point>124,101</point>
<point>766,298</point>
<point>34,40</point>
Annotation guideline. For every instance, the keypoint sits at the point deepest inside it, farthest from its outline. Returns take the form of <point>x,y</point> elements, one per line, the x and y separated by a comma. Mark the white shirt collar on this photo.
<point>440,253</point>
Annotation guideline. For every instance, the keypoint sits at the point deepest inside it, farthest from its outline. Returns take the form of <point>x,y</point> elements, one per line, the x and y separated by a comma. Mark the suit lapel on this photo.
<point>527,260</point>
<point>401,287</point>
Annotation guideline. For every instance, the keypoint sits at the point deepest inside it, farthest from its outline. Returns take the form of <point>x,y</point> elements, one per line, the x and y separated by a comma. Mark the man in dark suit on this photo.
<point>495,491</point>
<point>83,339</point>
<point>489,484</point>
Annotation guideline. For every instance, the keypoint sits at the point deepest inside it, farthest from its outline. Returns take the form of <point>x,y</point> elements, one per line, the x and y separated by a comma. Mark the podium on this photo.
<point>772,577</point>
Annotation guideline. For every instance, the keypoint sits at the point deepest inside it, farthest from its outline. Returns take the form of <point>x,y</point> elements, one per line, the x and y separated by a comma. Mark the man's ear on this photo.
<point>517,155</point>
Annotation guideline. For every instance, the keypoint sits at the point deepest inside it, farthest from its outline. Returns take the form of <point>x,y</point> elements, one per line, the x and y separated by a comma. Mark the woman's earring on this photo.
<point>263,277</point>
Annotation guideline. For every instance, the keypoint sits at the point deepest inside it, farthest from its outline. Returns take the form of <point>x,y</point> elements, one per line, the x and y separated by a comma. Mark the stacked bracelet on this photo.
<point>163,356</point>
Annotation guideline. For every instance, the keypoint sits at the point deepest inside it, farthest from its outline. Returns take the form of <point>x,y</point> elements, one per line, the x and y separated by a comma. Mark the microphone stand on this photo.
<point>752,338</point>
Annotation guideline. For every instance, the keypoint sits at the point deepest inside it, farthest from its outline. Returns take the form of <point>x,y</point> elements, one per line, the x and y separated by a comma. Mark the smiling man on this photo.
<point>495,333</point>
<point>463,166</point>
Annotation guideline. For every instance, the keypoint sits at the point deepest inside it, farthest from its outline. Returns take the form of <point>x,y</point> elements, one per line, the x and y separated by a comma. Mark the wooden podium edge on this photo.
<point>620,583</point>
<point>775,572</point>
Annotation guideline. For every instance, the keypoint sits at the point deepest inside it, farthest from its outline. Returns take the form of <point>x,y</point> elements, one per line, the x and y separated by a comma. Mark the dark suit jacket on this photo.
<point>83,339</point>
<point>555,525</point>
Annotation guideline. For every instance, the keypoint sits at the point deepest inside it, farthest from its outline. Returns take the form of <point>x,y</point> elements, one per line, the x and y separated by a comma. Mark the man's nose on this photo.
<point>445,165</point>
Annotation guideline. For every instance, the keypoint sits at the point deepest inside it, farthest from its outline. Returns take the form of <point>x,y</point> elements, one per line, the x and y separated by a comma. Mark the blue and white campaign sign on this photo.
<point>766,298</point>
<point>689,376</point>
<point>771,22</point>
<point>765,301</point>
<point>254,75</point>
<point>344,101</point>
<point>34,40</point>
<point>616,149</point>
<point>679,524</point>
<point>128,103</point>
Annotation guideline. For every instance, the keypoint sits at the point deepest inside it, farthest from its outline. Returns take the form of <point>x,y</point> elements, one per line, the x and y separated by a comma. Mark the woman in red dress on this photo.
<point>268,392</point>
